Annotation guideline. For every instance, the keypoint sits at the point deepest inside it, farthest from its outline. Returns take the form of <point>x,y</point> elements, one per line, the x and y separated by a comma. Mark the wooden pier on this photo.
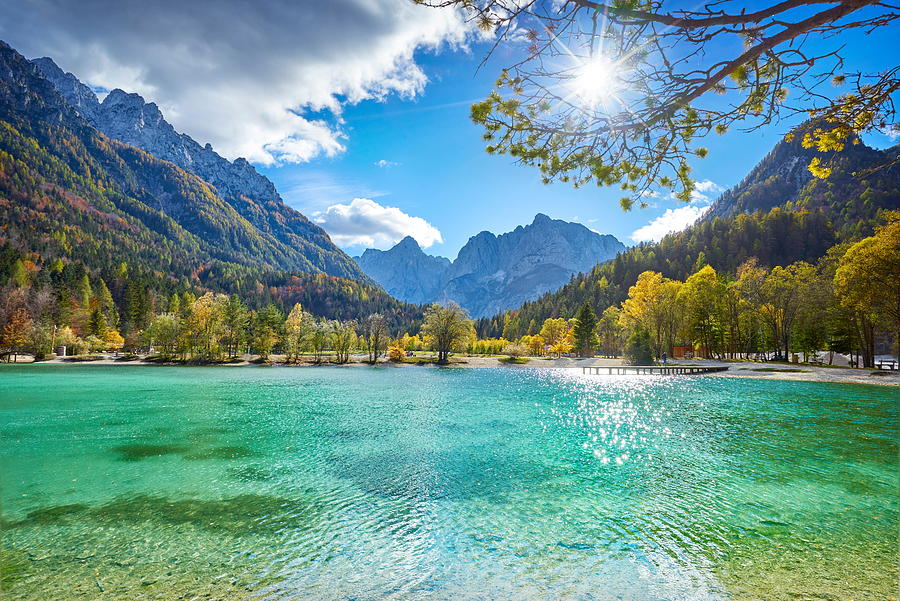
<point>647,370</point>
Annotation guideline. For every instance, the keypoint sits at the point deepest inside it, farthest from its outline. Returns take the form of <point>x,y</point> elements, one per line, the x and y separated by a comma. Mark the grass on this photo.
<point>81,358</point>
<point>427,361</point>
<point>513,360</point>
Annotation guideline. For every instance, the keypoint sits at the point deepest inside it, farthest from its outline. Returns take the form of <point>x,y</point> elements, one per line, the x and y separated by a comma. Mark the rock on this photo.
<point>492,273</point>
<point>405,271</point>
<point>128,118</point>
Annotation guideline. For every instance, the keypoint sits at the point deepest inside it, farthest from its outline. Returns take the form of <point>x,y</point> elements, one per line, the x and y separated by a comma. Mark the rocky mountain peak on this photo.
<point>408,242</point>
<point>492,273</point>
<point>78,95</point>
<point>127,117</point>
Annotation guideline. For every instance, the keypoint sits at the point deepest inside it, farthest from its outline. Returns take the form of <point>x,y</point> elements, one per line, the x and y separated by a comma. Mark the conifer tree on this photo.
<point>585,331</point>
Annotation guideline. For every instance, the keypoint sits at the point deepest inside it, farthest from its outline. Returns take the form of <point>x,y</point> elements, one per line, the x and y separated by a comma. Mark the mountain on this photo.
<point>778,214</point>
<point>76,203</point>
<point>492,273</point>
<point>857,185</point>
<point>405,271</point>
<point>299,243</point>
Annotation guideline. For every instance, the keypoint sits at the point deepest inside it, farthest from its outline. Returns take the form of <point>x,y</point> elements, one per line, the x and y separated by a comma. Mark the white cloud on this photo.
<point>266,80</point>
<point>673,220</point>
<point>704,190</point>
<point>364,222</point>
<point>383,163</point>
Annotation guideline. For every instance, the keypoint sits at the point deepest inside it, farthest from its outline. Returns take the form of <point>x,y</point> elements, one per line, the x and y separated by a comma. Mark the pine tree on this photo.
<point>637,349</point>
<point>84,291</point>
<point>97,323</point>
<point>585,331</point>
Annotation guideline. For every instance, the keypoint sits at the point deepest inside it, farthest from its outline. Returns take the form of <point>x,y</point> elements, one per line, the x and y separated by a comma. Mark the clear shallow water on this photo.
<point>426,484</point>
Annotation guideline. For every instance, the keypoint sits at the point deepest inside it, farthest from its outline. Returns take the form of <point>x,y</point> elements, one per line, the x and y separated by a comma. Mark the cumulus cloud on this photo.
<point>675,220</point>
<point>705,190</point>
<point>364,222</point>
<point>384,163</point>
<point>266,80</point>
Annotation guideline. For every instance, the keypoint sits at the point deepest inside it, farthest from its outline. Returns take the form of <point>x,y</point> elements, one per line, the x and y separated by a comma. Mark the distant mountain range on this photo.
<point>492,273</point>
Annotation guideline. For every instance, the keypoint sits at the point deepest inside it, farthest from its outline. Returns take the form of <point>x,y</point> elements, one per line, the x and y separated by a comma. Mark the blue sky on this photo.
<point>436,169</point>
<point>358,109</point>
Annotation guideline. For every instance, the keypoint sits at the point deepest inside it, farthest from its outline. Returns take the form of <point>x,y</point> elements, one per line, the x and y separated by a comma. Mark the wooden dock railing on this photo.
<point>622,370</point>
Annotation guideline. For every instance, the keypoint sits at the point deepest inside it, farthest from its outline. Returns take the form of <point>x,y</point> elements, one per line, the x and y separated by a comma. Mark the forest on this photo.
<point>840,303</point>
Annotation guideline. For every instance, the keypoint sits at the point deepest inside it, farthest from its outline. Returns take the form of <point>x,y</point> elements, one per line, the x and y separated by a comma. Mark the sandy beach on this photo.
<point>741,369</point>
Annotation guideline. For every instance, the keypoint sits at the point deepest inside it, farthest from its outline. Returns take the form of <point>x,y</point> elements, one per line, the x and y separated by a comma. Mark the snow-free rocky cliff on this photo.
<point>492,273</point>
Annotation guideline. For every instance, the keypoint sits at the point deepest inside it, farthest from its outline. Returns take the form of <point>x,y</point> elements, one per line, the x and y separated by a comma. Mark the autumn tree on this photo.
<point>163,333</point>
<point>786,290</point>
<point>343,337</point>
<point>554,330</point>
<point>622,93</point>
<point>319,338</point>
<point>610,332</point>
<point>375,335</point>
<point>868,277</point>
<point>204,324</point>
<point>652,304</point>
<point>701,297</point>
<point>16,333</point>
<point>447,328</point>
<point>535,344</point>
<point>297,329</point>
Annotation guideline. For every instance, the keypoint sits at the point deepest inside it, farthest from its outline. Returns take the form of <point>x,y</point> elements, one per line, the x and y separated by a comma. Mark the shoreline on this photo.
<point>755,370</point>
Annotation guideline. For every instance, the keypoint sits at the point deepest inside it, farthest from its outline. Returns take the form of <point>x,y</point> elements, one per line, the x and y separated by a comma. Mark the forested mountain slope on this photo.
<point>291,240</point>
<point>778,214</point>
<point>858,186</point>
<point>74,201</point>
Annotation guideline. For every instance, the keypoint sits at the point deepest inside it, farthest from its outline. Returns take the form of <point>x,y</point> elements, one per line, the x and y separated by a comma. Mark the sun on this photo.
<point>596,80</point>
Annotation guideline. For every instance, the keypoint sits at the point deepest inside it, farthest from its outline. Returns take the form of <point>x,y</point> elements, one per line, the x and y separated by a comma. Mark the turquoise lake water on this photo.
<point>361,483</point>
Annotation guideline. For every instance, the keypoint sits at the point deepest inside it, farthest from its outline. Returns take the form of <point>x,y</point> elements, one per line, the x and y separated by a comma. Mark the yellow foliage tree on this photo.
<point>652,304</point>
<point>868,276</point>
<point>114,340</point>
<point>554,330</point>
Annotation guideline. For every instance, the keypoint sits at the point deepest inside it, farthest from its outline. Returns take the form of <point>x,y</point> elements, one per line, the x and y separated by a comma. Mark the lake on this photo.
<point>359,483</point>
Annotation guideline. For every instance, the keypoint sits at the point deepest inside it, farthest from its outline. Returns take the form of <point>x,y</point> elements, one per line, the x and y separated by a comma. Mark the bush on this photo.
<point>396,353</point>
<point>513,360</point>
<point>637,349</point>
<point>514,350</point>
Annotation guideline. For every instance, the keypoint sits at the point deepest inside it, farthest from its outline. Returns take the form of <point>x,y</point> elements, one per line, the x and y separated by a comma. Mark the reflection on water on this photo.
<point>428,484</point>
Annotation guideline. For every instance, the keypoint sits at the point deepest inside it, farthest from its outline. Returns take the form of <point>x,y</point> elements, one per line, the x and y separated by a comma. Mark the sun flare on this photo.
<point>596,80</point>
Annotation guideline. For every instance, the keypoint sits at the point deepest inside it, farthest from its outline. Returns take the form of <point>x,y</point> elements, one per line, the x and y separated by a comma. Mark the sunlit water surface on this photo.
<point>442,484</point>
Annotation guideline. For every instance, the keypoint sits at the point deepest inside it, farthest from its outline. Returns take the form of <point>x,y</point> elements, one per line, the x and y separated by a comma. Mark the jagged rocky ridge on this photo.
<point>492,273</point>
<point>126,117</point>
